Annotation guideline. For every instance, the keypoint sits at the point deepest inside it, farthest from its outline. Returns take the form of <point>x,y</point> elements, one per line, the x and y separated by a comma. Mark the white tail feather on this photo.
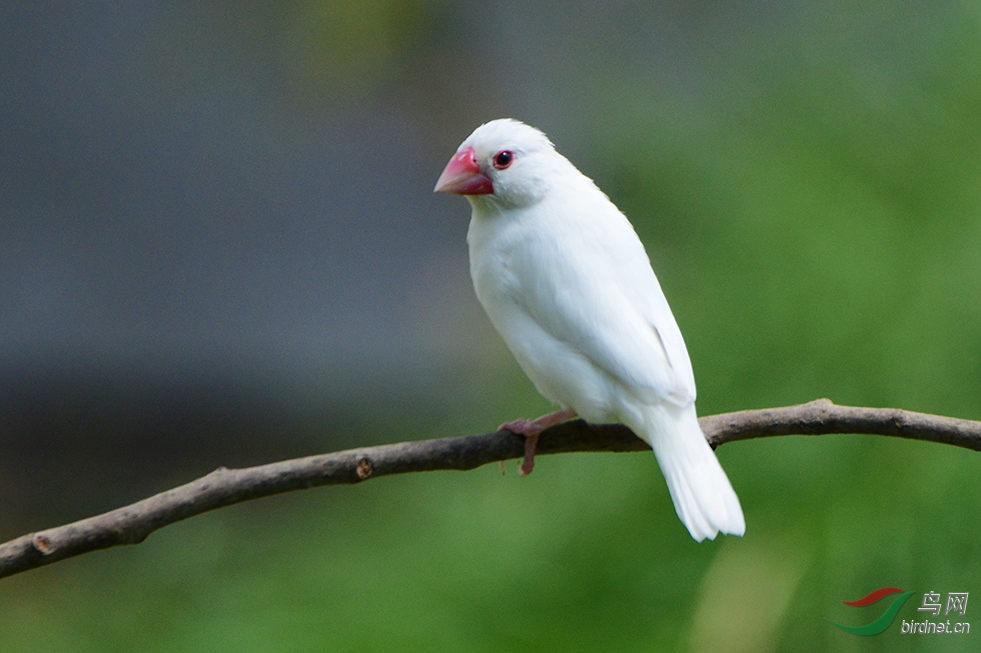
<point>702,495</point>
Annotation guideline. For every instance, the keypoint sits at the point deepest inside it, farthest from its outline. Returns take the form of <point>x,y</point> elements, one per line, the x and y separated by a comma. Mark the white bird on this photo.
<point>567,283</point>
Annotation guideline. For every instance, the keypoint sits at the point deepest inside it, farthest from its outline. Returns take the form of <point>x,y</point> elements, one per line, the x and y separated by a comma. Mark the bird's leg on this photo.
<point>531,429</point>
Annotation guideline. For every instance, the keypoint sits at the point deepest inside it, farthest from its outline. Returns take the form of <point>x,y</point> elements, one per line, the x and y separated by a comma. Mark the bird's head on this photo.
<point>503,161</point>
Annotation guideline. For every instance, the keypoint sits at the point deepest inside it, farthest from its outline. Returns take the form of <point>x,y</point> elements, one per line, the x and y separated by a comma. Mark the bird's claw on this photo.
<point>521,426</point>
<point>530,429</point>
<point>528,464</point>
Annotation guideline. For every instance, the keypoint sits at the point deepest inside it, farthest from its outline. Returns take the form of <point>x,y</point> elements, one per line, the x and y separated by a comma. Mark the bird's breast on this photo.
<point>497,249</point>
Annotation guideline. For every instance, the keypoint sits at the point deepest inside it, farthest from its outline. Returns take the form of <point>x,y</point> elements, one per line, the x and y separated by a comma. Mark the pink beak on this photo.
<point>462,176</point>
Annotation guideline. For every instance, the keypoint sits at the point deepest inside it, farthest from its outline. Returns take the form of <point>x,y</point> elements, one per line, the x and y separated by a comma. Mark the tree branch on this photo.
<point>223,487</point>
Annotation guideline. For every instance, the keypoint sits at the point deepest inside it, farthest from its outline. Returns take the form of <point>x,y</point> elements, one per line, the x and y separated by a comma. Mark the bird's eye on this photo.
<point>503,159</point>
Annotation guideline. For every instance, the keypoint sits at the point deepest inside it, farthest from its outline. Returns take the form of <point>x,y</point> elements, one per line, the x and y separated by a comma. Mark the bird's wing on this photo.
<point>594,289</point>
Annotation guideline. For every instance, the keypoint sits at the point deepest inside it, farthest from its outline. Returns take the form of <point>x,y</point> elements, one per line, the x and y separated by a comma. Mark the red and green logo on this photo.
<point>887,617</point>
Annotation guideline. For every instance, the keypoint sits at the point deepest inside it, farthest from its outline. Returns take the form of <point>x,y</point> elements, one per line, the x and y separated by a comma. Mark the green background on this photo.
<point>810,196</point>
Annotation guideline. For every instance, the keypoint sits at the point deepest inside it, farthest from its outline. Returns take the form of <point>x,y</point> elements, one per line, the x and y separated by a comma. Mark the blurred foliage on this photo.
<point>337,42</point>
<point>815,219</point>
<point>326,53</point>
<point>830,197</point>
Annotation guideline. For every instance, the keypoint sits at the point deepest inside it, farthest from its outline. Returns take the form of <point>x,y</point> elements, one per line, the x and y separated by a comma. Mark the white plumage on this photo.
<point>567,283</point>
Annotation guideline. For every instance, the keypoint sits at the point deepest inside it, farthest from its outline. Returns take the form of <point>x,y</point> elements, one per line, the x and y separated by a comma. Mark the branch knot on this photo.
<point>365,468</point>
<point>41,543</point>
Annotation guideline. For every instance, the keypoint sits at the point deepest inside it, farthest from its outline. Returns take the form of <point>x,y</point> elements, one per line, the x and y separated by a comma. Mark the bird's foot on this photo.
<point>531,429</point>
